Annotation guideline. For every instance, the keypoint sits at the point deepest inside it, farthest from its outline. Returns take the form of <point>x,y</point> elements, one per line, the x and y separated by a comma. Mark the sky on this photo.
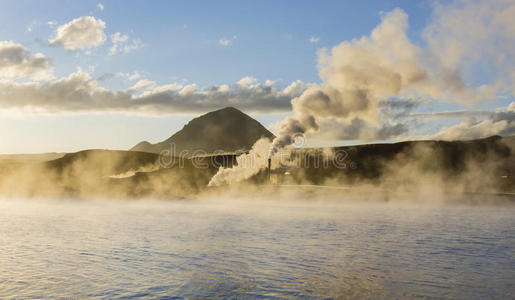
<point>80,75</point>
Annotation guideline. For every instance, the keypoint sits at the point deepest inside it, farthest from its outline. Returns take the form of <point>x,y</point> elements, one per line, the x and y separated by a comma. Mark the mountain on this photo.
<point>227,130</point>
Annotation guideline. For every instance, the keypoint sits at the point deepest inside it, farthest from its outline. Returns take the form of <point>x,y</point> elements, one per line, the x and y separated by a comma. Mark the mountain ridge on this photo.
<point>226,130</point>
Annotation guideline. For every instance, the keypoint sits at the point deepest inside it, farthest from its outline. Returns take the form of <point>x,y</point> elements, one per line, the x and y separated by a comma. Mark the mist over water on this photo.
<point>283,249</point>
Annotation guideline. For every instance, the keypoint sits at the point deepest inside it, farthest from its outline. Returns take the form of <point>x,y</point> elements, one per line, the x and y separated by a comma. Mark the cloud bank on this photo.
<point>79,92</point>
<point>498,123</point>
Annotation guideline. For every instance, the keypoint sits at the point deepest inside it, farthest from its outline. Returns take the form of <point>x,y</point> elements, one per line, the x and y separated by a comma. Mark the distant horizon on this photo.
<point>336,144</point>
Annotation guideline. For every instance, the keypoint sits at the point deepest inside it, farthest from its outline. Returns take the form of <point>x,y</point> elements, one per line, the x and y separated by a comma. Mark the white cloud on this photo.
<point>119,38</point>
<point>161,89</point>
<point>247,81</point>
<point>171,87</point>
<point>314,39</point>
<point>498,123</point>
<point>100,6</point>
<point>269,82</point>
<point>80,33</point>
<point>121,43</point>
<point>224,88</point>
<point>188,90</point>
<point>51,23</point>
<point>113,49</point>
<point>296,88</point>
<point>226,42</point>
<point>130,76</point>
<point>472,129</point>
<point>143,84</point>
<point>17,62</point>
<point>136,43</point>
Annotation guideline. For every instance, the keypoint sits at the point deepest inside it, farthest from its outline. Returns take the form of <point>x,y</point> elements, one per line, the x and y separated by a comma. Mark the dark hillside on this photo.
<point>226,130</point>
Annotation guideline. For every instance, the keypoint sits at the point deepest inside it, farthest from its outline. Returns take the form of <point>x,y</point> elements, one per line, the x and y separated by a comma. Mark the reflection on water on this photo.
<point>114,249</point>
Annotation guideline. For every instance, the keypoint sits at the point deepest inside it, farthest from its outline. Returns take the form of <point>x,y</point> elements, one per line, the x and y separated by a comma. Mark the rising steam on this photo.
<point>248,165</point>
<point>358,75</point>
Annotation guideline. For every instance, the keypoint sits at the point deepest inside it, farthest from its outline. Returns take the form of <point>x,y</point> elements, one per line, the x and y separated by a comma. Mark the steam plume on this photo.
<point>356,76</point>
<point>248,165</point>
<point>359,75</point>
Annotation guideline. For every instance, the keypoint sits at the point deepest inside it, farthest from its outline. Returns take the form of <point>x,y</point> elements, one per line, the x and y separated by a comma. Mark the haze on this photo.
<point>257,149</point>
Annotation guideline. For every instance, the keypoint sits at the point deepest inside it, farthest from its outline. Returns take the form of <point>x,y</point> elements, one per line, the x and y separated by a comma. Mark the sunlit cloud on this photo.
<point>497,123</point>
<point>80,33</point>
<point>122,43</point>
<point>79,92</point>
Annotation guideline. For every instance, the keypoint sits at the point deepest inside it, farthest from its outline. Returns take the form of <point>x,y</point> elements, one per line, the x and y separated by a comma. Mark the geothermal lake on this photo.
<point>126,249</point>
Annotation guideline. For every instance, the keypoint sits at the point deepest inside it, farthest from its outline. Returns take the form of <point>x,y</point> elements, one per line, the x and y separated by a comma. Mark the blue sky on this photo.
<point>181,38</point>
<point>181,41</point>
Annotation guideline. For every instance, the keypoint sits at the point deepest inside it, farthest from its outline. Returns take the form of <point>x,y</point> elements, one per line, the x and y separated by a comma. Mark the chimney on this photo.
<point>269,168</point>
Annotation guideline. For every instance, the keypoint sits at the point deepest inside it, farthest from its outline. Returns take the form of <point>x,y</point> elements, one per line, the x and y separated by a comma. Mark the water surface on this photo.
<point>125,249</point>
